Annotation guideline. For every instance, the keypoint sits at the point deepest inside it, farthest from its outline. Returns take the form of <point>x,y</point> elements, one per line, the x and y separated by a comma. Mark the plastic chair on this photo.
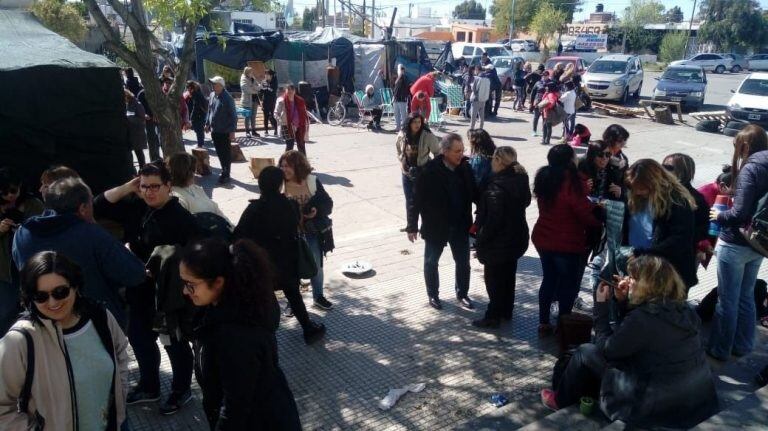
<point>387,107</point>
<point>435,116</point>
<point>364,114</point>
<point>455,97</point>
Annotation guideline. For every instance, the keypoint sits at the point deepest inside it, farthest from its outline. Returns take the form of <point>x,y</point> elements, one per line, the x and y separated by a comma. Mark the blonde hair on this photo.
<point>664,189</point>
<point>656,281</point>
<point>247,70</point>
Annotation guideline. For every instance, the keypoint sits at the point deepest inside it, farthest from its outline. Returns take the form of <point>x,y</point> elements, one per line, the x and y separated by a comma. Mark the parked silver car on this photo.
<point>614,77</point>
<point>739,62</point>
<point>710,62</point>
<point>758,62</point>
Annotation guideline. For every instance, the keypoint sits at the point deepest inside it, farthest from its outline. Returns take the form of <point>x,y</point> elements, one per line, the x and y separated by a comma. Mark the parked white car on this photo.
<point>473,51</point>
<point>710,62</point>
<point>749,102</point>
<point>523,45</point>
<point>758,62</point>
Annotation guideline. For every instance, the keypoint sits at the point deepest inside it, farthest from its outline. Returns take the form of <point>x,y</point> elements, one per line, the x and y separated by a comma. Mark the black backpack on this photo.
<point>214,225</point>
<point>37,423</point>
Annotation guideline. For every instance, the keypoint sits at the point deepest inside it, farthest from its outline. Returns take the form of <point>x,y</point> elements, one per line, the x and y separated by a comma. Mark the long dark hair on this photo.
<point>414,139</point>
<point>249,277</point>
<point>480,142</point>
<point>561,167</point>
<point>594,150</point>
<point>44,263</point>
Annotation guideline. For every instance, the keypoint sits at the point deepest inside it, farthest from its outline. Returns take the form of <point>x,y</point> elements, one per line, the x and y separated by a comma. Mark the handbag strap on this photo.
<point>23,402</point>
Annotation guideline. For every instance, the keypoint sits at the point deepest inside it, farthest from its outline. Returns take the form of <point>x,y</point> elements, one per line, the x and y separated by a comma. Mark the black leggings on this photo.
<point>292,293</point>
<point>582,376</point>
<point>269,117</point>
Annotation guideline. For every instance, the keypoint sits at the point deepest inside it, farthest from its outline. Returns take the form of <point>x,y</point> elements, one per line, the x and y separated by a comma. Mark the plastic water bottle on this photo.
<point>721,204</point>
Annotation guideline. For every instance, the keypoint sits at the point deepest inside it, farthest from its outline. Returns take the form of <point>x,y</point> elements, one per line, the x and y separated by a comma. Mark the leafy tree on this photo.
<point>469,9</point>
<point>636,16</point>
<point>547,21</point>
<point>525,11</point>
<point>308,19</point>
<point>143,54</point>
<point>733,24</point>
<point>62,18</point>
<point>674,15</point>
<point>673,46</point>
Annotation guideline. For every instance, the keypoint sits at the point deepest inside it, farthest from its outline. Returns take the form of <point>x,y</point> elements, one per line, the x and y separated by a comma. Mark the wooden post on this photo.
<point>237,153</point>
<point>663,115</point>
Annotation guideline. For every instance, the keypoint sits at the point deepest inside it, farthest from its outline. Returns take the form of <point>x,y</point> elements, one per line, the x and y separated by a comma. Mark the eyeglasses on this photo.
<point>189,287</point>
<point>150,187</point>
<point>58,293</point>
<point>670,168</point>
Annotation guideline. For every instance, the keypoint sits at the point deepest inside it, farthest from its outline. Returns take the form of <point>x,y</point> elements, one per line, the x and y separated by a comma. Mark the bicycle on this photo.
<point>338,112</point>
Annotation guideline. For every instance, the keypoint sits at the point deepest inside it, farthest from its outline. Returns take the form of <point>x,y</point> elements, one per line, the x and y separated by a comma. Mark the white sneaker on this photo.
<point>536,134</point>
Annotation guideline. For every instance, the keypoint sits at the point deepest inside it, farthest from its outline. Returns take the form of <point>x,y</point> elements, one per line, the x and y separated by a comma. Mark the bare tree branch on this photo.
<point>112,37</point>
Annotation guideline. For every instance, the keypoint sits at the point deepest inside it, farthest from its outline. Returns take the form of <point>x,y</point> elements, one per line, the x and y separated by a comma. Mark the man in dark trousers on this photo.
<point>444,193</point>
<point>489,71</point>
<point>221,122</point>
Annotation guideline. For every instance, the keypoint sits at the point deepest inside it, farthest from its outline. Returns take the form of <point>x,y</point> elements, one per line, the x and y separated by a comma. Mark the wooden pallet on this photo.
<point>616,110</point>
<point>720,116</point>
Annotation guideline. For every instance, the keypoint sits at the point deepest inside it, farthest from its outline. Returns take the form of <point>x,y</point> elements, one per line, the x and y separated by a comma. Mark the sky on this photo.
<point>445,7</point>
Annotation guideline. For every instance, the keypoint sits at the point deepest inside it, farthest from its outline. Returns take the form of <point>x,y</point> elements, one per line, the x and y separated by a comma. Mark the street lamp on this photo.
<point>512,21</point>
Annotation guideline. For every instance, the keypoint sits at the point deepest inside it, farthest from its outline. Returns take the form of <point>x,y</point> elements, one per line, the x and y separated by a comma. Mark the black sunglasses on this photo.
<point>58,293</point>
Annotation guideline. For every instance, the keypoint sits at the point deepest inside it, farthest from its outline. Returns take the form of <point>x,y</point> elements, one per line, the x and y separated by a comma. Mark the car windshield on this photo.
<point>683,75</point>
<point>755,87</point>
<point>551,63</point>
<point>605,66</point>
<point>503,62</point>
<point>495,52</point>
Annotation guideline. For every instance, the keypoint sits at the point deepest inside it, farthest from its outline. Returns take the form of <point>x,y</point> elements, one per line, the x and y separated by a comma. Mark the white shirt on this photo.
<point>194,200</point>
<point>569,101</point>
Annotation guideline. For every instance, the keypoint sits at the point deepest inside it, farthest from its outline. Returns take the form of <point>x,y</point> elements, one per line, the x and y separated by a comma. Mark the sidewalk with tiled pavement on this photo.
<point>381,332</point>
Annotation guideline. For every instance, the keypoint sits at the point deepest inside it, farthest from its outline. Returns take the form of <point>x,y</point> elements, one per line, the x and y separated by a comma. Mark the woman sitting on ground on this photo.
<point>650,370</point>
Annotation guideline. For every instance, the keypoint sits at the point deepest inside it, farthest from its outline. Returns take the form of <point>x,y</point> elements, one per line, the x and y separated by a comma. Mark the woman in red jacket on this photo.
<point>559,235</point>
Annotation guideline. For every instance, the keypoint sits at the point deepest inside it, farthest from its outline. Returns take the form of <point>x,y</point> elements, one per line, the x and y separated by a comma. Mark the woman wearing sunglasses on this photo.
<point>16,206</point>
<point>79,353</point>
<point>151,217</point>
<point>243,385</point>
<point>598,173</point>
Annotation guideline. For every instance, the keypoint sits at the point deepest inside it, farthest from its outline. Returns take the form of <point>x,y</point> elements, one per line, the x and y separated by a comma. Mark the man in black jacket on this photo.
<point>444,194</point>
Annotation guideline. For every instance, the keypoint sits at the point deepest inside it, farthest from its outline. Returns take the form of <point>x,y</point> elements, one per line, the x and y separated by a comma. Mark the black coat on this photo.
<point>673,239</point>
<point>238,371</point>
<point>272,222</point>
<point>268,95</point>
<point>197,105</point>
<point>502,234</point>
<point>700,216</point>
<point>432,200</point>
<point>751,186</point>
<point>657,373</point>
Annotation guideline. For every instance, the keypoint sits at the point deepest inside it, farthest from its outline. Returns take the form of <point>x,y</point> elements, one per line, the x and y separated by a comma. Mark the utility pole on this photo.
<point>373,19</point>
<point>690,27</point>
<point>512,21</point>
<point>365,16</point>
<point>334,13</point>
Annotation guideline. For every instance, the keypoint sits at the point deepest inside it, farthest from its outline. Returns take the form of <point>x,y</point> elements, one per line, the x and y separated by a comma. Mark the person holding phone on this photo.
<point>649,370</point>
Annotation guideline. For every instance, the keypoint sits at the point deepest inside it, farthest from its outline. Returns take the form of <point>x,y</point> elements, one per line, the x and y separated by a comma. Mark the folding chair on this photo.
<point>364,114</point>
<point>387,101</point>
<point>435,116</point>
<point>455,97</point>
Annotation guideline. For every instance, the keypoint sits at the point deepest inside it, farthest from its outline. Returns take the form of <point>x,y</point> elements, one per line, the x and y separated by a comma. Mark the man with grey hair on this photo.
<point>444,193</point>
<point>67,226</point>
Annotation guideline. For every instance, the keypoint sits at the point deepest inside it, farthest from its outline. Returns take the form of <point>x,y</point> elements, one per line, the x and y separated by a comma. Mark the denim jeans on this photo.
<point>401,114</point>
<point>458,240</point>
<point>733,327</point>
<point>536,116</point>
<point>562,273</point>
<point>199,129</point>
<point>477,112</point>
<point>317,253</point>
<point>250,120</point>
<point>569,124</point>
<point>519,97</point>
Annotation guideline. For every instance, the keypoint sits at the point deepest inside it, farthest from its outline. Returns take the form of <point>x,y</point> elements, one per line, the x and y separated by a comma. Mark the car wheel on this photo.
<point>736,69</point>
<point>736,125</point>
<point>720,69</point>
<point>625,96</point>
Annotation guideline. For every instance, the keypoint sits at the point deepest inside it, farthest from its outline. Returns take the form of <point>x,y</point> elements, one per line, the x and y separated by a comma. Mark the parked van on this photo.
<point>473,51</point>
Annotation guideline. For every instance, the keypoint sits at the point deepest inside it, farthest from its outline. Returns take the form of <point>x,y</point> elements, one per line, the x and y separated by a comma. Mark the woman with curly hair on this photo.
<point>238,371</point>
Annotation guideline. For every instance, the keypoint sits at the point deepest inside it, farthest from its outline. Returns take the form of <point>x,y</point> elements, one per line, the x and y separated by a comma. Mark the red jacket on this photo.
<point>425,107</point>
<point>426,84</point>
<point>562,224</point>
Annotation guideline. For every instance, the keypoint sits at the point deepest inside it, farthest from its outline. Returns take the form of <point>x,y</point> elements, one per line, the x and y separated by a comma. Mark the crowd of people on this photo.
<point>204,286</point>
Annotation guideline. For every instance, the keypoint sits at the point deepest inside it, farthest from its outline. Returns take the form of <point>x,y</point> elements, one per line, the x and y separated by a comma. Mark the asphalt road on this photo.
<point>718,88</point>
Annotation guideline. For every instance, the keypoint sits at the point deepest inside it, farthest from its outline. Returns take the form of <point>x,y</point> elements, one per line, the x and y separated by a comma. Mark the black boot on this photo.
<point>313,332</point>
